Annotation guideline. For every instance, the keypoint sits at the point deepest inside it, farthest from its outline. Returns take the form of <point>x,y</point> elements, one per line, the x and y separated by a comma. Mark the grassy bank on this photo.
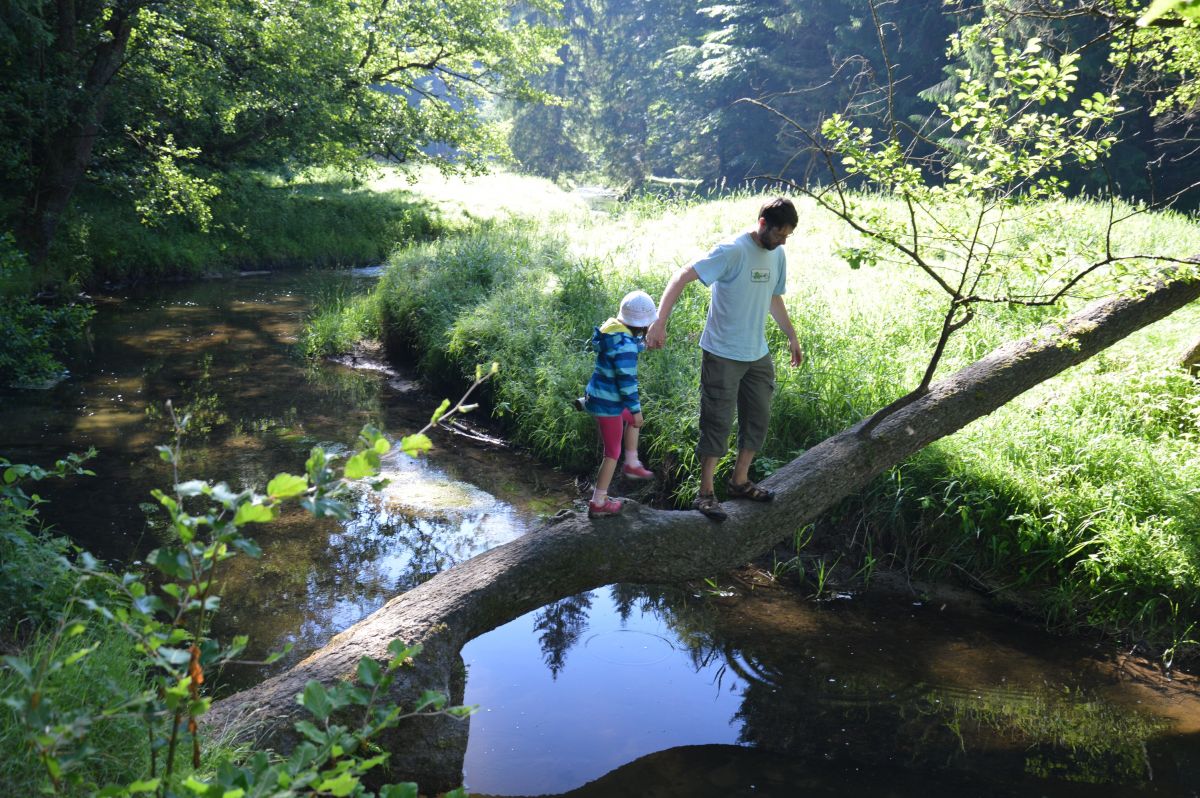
<point>258,222</point>
<point>1080,493</point>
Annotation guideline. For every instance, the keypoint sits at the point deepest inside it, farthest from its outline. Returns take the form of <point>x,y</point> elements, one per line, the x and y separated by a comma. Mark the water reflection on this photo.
<point>422,523</point>
<point>763,693</point>
<point>223,353</point>
<point>559,627</point>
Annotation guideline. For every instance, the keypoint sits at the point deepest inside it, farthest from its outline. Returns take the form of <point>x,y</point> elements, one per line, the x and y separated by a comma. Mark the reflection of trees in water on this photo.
<point>688,616</point>
<point>800,697</point>
<point>343,386</point>
<point>312,583</point>
<point>559,626</point>
<point>1007,733</point>
<point>799,700</point>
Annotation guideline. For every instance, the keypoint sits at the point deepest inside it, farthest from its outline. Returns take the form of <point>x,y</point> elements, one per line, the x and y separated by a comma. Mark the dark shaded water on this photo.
<point>622,691</point>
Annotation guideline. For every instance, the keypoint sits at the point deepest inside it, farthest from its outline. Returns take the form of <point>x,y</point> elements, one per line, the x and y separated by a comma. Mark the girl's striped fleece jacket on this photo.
<point>614,384</point>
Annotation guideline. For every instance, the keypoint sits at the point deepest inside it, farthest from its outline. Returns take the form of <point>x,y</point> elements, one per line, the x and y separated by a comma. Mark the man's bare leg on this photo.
<point>708,467</point>
<point>741,468</point>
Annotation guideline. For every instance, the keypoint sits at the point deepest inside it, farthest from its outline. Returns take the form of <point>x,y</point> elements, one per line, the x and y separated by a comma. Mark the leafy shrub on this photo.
<point>33,337</point>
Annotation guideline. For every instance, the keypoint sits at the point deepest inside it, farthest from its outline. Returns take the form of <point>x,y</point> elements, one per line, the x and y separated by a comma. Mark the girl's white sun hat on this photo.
<point>637,310</point>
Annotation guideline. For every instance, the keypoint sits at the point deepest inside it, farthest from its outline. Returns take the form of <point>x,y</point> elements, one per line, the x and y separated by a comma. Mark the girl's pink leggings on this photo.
<point>612,429</point>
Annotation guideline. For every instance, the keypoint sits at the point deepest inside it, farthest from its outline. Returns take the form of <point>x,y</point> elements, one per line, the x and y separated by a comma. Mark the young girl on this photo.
<point>612,395</point>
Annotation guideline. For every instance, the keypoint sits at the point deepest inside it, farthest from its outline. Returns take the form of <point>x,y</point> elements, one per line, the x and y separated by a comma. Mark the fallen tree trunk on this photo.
<point>643,545</point>
<point>1191,359</point>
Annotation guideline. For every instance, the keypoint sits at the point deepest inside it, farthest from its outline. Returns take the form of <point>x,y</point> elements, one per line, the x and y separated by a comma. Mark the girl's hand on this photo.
<point>637,419</point>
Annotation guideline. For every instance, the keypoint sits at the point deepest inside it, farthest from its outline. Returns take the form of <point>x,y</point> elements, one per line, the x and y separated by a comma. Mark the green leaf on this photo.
<point>248,547</point>
<point>430,698</point>
<point>401,653</point>
<point>369,672</point>
<point>195,785</point>
<point>175,656</point>
<point>445,405</point>
<point>406,789</point>
<point>251,513</point>
<point>310,731</point>
<point>145,785</point>
<point>363,464</point>
<point>227,497</point>
<point>274,656</point>
<point>193,487</point>
<point>414,445</point>
<point>316,700</point>
<point>341,786</point>
<point>75,656</point>
<point>1161,8</point>
<point>23,668</point>
<point>285,486</point>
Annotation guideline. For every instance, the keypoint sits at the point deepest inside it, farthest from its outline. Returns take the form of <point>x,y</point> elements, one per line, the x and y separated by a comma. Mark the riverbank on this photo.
<point>1078,497</point>
<point>258,221</point>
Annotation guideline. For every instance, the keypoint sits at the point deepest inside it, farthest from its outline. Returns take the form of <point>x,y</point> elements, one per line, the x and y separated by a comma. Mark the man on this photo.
<point>748,275</point>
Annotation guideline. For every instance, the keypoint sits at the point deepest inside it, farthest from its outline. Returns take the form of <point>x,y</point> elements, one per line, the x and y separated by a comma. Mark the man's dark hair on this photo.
<point>779,212</point>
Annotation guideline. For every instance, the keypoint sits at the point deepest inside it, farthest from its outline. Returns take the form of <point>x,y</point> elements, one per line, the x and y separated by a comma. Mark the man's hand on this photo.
<point>656,336</point>
<point>780,314</point>
<point>797,352</point>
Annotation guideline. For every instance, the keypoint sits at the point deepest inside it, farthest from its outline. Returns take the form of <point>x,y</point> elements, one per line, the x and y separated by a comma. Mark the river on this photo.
<point>671,691</point>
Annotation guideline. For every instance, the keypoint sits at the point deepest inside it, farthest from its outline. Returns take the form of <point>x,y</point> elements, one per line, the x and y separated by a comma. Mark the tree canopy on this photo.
<point>663,103</point>
<point>153,100</point>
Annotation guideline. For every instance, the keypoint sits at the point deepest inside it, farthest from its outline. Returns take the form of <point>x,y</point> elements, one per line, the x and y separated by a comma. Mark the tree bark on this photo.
<point>62,157</point>
<point>1191,359</point>
<point>643,545</point>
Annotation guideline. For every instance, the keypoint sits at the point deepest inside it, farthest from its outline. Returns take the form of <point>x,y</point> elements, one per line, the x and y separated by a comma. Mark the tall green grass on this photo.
<point>1082,493</point>
<point>111,672</point>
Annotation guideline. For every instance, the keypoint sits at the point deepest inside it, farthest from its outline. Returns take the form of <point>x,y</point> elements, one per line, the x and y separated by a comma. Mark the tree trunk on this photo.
<point>1191,359</point>
<point>62,157</point>
<point>643,545</point>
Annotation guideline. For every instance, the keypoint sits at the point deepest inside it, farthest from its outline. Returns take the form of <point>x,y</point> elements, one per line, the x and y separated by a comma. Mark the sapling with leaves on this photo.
<point>167,619</point>
<point>987,166</point>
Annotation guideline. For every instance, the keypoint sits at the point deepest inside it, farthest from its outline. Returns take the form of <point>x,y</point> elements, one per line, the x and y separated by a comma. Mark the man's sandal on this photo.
<point>707,504</point>
<point>748,490</point>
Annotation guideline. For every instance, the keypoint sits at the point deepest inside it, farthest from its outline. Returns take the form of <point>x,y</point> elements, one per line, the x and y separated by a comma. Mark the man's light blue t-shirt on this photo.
<point>743,277</point>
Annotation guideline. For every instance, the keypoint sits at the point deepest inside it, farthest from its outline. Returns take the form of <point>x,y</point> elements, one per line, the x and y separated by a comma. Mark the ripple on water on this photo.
<point>629,647</point>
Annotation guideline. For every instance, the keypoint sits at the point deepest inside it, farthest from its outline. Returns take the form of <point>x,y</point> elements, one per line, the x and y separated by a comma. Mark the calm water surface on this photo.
<point>622,691</point>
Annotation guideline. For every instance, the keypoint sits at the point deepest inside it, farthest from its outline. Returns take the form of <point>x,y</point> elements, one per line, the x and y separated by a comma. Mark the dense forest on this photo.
<point>651,91</point>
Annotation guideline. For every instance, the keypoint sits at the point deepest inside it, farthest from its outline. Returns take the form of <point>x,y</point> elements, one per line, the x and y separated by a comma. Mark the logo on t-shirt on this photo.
<point>760,275</point>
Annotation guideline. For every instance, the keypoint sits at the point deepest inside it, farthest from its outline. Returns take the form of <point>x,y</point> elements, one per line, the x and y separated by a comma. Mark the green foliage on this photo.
<point>63,712</point>
<point>159,99</point>
<point>34,574</point>
<point>33,336</point>
<point>665,106</point>
<point>1189,9</point>
<point>340,321</point>
<point>258,222</point>
<point>105,676</point>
